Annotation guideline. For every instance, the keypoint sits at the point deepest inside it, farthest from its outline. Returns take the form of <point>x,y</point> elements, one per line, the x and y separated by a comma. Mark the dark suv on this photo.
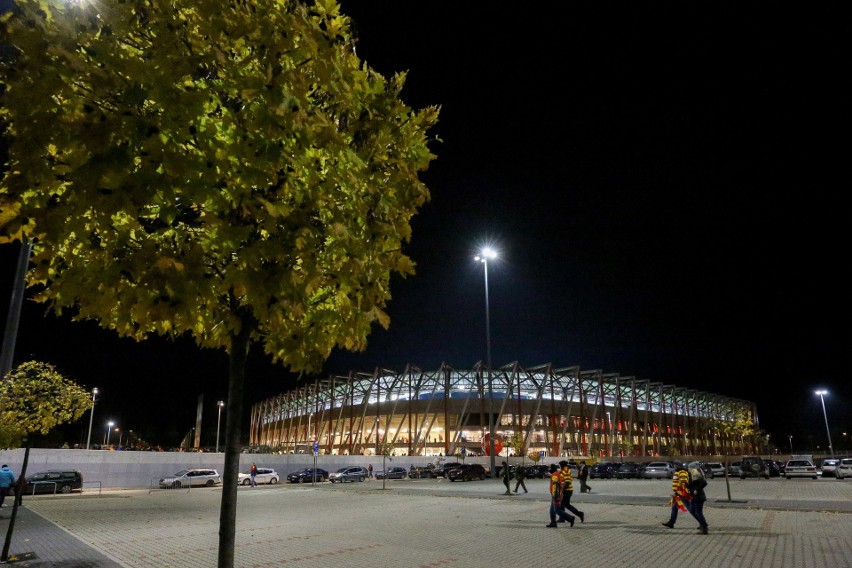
<point>54,481</point>
<point>442,469</point>
<point>466,472</point>
<point>753,466</point>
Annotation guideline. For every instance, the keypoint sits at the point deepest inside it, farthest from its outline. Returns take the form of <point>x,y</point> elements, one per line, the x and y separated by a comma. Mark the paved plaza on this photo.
<point>435,523</point>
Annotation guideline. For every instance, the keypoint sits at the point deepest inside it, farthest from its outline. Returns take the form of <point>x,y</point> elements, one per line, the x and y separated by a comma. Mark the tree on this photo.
<point>738,425</point>
<point>517,443</point>
<point>228,171</point>
<point>35,398</point>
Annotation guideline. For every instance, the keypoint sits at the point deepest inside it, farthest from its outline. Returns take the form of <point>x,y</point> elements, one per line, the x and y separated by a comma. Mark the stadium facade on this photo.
<point>558,411</point>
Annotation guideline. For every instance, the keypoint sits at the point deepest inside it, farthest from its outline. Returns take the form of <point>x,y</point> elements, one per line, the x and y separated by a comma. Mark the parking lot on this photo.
<point>434,522</point>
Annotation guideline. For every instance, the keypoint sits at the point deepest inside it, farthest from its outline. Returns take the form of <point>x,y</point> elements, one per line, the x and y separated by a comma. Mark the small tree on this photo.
<point>517,443</point>
<point>229,171</point>
<point>34,399</point>
<point>739,425</point>
<point>385,449</point>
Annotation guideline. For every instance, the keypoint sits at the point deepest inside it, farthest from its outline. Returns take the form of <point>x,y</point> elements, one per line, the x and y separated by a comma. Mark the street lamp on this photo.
<point>110,424</point>
<point>791,444</point>
<point>822,394</point>
<point>220,404</point>
<point>483,258</point>
<point>91,415</point>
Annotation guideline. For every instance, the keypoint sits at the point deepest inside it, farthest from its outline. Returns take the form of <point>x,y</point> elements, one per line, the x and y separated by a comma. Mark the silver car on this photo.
<point>264,475</point>
<point>800,468</point>
<point>191,478</point>
<point>843,469</point>
<point>658,470</point>
<point>345,474</point>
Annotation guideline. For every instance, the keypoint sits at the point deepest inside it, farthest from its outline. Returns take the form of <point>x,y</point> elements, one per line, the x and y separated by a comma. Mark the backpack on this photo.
<point>697,479</point>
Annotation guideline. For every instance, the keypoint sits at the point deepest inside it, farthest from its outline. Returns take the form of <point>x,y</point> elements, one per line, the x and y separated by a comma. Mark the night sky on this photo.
<point>663,185</point>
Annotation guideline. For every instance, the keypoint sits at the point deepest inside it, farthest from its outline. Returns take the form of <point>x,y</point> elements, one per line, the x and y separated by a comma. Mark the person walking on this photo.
<point>370,471</point>
<point>556,499</point>
<point>697,483</point>
<point>520,475</point>
<point>681,497</point>
<point>507,476</point>
<point>568,490</point>
<point>583,476</point>
<point>7,481</point>
<point>253,472</point>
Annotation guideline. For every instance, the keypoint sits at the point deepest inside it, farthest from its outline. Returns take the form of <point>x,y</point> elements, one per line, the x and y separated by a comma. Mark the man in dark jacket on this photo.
<point>583,476</point>
<point>697,483</point>
<point>520,475</point>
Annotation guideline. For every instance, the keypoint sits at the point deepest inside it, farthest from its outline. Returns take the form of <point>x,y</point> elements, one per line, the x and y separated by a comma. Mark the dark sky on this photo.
<point>664,186</point>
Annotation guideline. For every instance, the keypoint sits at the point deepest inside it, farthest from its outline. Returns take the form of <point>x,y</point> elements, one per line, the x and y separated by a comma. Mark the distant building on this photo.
<point>561,411</point>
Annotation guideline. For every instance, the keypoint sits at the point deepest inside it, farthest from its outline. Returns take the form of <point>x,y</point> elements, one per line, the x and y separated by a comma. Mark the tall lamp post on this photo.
<point>110,424</point>
<point>91,415</point>
<point>220,404</point>
<point>791,444</point>
<point>822,394</point>
<point>483,258</point>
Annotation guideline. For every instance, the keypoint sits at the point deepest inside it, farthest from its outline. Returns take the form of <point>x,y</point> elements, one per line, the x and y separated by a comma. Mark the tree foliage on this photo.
<point>231,171</point>
<point>35,398</point>
<point>199,167</point>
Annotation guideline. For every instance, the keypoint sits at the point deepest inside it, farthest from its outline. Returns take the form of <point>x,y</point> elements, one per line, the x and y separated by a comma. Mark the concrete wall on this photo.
<point>144,469</point>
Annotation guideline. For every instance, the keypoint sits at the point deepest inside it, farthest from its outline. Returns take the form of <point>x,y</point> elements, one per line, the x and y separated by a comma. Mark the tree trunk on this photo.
<point>233,421</point>
<point>18,494</point>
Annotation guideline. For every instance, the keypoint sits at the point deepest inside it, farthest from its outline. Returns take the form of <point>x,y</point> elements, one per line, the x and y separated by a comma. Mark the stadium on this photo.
<point>557,411</point>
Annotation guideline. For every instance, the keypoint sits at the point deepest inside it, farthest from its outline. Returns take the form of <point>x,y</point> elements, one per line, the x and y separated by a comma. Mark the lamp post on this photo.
<point>110,424</point>
<point>220,404</point>
<point>822,394</point>
<point>91,415</point>
<point>120,433</point>
<point>791,444</point>
<point>483,258</point>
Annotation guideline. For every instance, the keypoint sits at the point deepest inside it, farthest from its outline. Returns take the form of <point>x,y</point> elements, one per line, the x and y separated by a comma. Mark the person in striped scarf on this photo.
<point>681,496</point>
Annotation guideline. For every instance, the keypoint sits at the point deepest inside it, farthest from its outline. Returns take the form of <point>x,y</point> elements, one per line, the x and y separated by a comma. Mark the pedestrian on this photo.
<point>520,475</point>
<point>583,476</point>
<point>370,471</point>
<point>507,476</point>
<point>680,495</point>
<point>568,490</point>
<point>7,481</point>
<point>556,499</point>
<point>253,472</point>
<point>697,483</point>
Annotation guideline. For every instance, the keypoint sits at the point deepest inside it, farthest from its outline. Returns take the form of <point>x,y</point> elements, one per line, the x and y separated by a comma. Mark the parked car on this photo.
<point>191,478</point>
<point>781,466</point>
<point>345,474</point>
<point>602,470</point>
<point>426,472</point>
<point>844,469</point>
<point>308,475</point>
<point>753,466</point>
<point>538,472</point>
<point>628,470</point>
<point>734,469</point>
<point>264,475</point>
<point>442,469</point>
<point>773,467</point>
<point>829,467</point>
<point>392,473</point>
<point>717,469</point>
<point>658,470</point>
<point>466,472</point>
<point>54,481</point>
<point>800,468</point>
